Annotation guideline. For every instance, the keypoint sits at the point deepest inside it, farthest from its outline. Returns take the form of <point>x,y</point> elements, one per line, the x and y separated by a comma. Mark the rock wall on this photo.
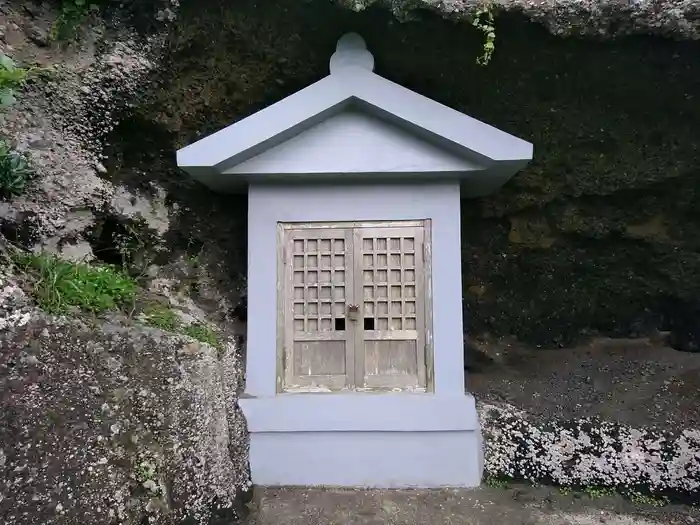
<point>600,234</point>
<point>102,418</point>
<point>597,19</point>
<point>111,422</point>
<point>597,236</point>
<point>590,453</point>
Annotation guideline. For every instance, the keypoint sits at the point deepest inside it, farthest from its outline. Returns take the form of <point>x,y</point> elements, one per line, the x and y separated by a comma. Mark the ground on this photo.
<point>518,505</point>
<point>639,382</point>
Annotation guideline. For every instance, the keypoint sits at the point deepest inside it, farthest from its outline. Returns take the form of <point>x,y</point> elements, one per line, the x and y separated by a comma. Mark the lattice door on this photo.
<point>318,285</point>
<point>390,282</point>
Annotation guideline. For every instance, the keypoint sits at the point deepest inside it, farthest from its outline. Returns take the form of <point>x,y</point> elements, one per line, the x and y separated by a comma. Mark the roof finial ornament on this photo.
<point>351,51</point>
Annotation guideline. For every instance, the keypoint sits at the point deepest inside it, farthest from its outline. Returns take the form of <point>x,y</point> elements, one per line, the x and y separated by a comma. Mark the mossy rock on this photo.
<point>611,195</point>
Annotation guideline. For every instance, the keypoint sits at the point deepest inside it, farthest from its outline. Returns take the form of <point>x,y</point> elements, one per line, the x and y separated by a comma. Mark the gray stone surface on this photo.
<point>509,506</point>
<point>111,423</point>
<point>592,18</point>
<point>61,120</point>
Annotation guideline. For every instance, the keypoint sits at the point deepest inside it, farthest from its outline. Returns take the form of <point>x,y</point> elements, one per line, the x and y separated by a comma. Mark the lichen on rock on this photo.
<point>590,453</point>
<point>87,412</point>
<point>61,121</point>
<point>592,18</point>
<point>15,309</point>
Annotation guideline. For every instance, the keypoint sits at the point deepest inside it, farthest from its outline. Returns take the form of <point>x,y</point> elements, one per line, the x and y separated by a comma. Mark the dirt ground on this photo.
<point>639,382</point>
<point>515,505</point>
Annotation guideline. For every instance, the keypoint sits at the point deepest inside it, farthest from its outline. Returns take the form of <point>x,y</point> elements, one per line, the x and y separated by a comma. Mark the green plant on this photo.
<point>162,317</point>
<point>11,79</point>
<point>59,285</point>
<point>204,333</point>
<point>15,171</point>
<point>133,248</point>
<point>599,492</point>
<point>194,261</point>
<point>647,499</point>
<point>496,482</point>
<point>73,13</point>
<point>484,21</point>
<point>145,471</point>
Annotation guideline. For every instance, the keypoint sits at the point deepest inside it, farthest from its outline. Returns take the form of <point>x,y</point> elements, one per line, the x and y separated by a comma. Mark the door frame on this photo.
<point>427,277</point>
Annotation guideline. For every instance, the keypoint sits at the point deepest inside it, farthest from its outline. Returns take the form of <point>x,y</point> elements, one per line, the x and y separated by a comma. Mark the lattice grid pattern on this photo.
<point>319,282</point>
<point>389,282</point>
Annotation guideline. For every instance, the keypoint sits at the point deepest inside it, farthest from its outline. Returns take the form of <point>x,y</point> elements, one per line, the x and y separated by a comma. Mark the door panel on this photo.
<point>318,342</point>
<point>389,284</point>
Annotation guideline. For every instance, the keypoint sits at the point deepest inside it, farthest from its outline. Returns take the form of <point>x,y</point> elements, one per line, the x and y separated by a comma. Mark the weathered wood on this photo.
<point>316,287</point>
<point>392,342</point>
<point>355,292</point>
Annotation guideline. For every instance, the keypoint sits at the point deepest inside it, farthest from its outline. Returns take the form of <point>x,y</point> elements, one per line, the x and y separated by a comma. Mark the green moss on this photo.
<point>649,500</point>
<point>164,318</point>
<point>497,482</point>
<point>60,285</point>
<point>599,492</point>
<point>204,333</point>
<point>160,316</point>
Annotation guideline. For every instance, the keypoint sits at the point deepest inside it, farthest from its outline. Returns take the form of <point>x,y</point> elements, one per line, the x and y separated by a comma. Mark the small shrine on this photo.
<point>355,365</point>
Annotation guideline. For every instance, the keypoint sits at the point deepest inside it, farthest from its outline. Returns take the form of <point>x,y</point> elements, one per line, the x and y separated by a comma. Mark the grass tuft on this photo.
<point>162,317</point>
<point>59,285</point>
<point>203,333</point>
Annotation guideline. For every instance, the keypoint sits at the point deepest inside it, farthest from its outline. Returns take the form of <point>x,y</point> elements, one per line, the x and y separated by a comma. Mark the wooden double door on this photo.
<point>354,306</point>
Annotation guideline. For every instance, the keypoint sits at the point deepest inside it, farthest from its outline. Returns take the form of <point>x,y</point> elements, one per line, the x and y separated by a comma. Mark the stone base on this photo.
<point>364,440</point>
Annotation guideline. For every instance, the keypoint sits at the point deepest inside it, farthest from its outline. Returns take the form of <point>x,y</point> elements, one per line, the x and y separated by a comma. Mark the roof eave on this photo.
<point>454,130</point>
<point>479,140</point>
<point>475,183</point>
<point>301,109</point>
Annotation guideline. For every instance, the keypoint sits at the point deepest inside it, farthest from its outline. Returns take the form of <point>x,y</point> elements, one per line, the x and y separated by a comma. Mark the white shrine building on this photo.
<point>355,364</point>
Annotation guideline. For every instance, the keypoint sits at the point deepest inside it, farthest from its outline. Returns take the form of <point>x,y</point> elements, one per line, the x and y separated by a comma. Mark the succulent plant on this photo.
<point>15,171</point>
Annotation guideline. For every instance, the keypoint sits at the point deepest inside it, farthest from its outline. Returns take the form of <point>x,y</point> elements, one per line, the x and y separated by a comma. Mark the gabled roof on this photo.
<point>261,146</point>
